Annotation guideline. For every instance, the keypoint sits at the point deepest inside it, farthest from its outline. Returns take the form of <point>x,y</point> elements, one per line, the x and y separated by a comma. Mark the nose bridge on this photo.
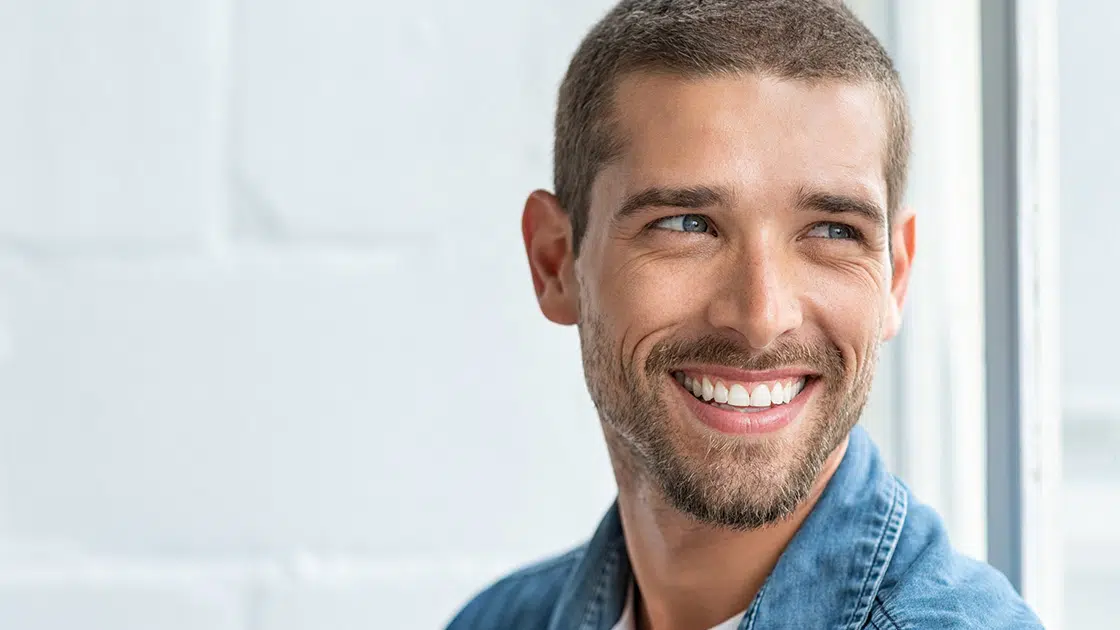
<point>760,298</point>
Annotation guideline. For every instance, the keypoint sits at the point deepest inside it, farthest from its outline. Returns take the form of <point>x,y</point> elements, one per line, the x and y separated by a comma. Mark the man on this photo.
<point>727,234</point>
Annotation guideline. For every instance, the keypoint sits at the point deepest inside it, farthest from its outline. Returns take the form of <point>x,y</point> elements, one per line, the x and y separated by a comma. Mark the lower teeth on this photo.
<point>734,408</point>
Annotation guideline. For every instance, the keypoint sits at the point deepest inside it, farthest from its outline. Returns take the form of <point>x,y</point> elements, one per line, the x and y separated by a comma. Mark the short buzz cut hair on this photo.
<point>807,40</point>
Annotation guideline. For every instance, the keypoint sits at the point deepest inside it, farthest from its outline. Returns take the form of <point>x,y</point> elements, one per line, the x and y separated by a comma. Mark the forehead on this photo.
<point>759,136</point>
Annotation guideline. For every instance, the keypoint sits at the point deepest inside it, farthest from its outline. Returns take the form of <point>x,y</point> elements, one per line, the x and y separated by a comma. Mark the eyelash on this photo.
<point>857,235</point>
<point>711,228</point>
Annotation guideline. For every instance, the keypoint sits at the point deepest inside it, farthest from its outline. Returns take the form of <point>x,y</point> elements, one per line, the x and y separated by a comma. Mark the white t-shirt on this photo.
<point>626,621</point>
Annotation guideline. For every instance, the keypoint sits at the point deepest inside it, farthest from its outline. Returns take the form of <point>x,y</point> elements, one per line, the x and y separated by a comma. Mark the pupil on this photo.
<point>693,223</point>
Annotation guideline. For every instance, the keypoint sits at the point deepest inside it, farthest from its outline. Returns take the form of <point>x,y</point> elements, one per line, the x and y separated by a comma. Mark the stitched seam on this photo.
<point>855,619</point>
<point>898,518</point>
<point>886,613</point>
<point>755,605</point>
<point>871,567</point>
<point>592,610</point>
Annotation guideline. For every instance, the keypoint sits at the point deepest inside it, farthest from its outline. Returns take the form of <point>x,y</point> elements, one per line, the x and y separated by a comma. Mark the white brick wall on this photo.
<point>111,124</point>
<point>269,355</point>
<point>116,607</point>
<point>265,323</point>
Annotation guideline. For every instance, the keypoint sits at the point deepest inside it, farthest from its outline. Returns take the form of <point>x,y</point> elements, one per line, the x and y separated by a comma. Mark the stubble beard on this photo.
<point>727,482</point>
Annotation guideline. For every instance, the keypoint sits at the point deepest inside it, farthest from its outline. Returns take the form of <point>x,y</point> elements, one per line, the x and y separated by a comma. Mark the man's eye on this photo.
<point>685,223</point>
<point>834,230</point>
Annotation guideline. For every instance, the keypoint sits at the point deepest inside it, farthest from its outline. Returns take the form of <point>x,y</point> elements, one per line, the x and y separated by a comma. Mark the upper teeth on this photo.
<point>741,394</point>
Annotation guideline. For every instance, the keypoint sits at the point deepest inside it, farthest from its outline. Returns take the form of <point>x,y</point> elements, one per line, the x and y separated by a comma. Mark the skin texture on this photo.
<point>769,277</point>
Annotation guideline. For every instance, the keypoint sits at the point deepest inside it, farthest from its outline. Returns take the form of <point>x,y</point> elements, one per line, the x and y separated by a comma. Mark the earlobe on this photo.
<point>547,232</point>
<point>902,260</point>
<point>893,320</point>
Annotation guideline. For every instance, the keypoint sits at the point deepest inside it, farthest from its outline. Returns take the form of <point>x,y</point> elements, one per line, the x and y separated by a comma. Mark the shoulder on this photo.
<point>930,585</point>
<point>524,599</point>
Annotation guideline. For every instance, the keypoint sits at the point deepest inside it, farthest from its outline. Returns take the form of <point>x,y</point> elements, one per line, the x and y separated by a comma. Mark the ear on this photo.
<point>547,231</point>
<point>902,259</point>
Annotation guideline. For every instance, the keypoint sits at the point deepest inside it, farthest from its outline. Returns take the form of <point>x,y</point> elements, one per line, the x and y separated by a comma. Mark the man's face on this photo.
<point>734,285</point>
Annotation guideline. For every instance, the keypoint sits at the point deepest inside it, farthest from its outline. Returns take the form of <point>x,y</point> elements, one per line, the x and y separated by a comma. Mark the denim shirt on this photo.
<point>867,556</point>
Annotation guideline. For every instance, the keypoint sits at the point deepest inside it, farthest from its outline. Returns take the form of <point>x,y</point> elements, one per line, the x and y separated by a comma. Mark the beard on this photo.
<point>715,478</point>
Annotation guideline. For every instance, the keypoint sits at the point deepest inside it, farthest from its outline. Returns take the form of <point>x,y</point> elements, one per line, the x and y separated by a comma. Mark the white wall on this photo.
<point>269,354</point>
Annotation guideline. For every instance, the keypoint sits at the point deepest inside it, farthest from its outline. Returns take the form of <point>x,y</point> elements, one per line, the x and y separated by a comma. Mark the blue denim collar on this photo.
<point>831,569</point>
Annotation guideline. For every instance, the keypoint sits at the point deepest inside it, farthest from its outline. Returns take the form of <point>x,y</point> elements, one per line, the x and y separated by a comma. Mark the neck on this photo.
<point>691,575</point>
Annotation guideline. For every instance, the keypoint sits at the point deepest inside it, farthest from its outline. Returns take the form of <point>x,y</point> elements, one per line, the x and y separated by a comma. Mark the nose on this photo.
<point>758,298</point>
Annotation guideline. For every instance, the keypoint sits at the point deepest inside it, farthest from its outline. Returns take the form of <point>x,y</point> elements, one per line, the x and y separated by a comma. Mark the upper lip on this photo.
<point>746,376</point>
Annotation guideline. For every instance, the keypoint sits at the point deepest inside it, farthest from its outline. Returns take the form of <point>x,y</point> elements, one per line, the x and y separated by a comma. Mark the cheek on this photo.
<point>849,306</point>
<point>650,293</point>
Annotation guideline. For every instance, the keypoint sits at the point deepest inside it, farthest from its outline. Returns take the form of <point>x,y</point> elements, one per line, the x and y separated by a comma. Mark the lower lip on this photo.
<point>768,420</point>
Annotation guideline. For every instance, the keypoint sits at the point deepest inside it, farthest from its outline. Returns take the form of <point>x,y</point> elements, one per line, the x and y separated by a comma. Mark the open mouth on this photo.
<point>741,396</point>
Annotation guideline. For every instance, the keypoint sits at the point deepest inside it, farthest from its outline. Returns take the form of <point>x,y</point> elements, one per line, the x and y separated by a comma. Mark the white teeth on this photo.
<point>737,396</point>
<point>795,388</point>
<point>761,396</point>
<point>720,392</point>
<point>778,395</point>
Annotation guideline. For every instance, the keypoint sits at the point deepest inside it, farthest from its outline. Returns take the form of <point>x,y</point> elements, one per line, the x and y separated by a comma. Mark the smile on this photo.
<point>741,396</point>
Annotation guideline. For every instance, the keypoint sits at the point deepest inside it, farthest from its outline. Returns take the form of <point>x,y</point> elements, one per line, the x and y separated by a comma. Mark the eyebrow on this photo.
<point>696,197</point>
<point>693,197</point>
<point>840,204</point>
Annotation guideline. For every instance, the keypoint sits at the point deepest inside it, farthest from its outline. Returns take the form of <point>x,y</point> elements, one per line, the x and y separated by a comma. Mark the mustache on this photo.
<point>715,350</point>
